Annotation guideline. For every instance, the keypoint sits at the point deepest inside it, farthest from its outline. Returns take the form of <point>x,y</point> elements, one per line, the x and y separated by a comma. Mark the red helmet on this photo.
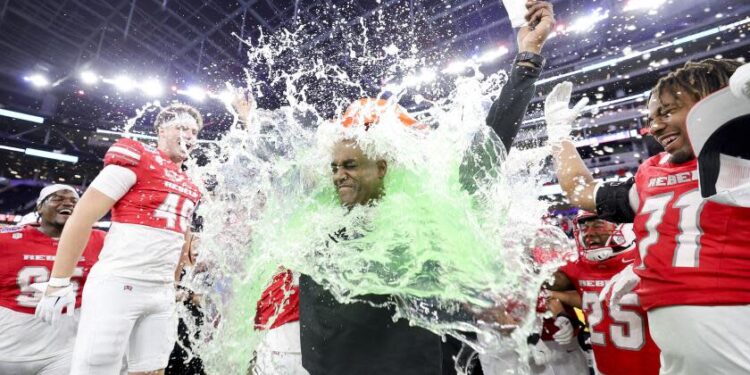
<point>599,240</point>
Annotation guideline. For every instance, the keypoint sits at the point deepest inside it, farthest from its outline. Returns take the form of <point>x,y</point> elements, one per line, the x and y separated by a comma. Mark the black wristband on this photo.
<point>531,57</point>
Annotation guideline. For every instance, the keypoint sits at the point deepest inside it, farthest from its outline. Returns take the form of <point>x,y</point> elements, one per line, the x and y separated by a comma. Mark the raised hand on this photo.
<point>557,113</point>
<point>541,21</point>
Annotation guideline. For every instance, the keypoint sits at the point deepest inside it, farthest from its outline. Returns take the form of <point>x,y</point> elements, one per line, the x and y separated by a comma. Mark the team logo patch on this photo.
<point>129,288</point>
<point>17,236</point>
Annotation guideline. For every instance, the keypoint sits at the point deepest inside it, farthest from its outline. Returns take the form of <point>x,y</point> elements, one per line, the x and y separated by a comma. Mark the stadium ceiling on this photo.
<point>183,37</point>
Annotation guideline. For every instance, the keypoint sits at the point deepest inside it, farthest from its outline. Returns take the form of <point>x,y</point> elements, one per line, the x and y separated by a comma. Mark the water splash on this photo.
<point>454,237</point>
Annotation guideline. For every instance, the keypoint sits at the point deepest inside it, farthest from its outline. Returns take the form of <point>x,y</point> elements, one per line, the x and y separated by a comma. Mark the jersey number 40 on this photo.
<point>168,211</point>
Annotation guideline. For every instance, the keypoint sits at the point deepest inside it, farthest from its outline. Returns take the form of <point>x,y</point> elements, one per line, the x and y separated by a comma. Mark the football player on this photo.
<point>27,345</point>
<point>129,302</point>
<point>620,338</point>
<point>692,270</point>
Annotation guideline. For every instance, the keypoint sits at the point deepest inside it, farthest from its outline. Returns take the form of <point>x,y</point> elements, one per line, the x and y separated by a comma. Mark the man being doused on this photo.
<point>363,337</point>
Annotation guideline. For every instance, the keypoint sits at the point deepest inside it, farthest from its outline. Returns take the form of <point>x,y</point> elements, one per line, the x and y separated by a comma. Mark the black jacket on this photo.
<point>359,339</point>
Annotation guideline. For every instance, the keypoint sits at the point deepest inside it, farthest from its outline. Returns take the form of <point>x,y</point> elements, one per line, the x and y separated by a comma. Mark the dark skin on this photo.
<point>667,117</point>
<point>358,179</point>
<point>55,211</point>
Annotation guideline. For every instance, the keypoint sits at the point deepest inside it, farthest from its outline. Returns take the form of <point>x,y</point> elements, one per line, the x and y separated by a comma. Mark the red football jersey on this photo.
<point>548,324</point>
<point>693,251</point>
<point>149,221</point>
<point>280,299</point>
<point>27,256</point>
<point>163,196</point>
<point>620,338</point>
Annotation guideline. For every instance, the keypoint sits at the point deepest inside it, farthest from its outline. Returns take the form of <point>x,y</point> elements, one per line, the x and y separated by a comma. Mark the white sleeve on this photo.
<point>114,181</point>
<point>733,182</point>
<point>633,198</point>
<point>738,196</point>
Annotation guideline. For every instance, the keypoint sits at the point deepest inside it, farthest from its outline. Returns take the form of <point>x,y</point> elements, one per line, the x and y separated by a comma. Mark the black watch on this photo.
<point>531,57</point>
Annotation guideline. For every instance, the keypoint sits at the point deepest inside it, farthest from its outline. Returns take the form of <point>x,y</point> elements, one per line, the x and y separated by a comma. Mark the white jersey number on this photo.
<point>690,205</point>
<point>168,211</point>
<point>28,296</point>
<point>626,331</point>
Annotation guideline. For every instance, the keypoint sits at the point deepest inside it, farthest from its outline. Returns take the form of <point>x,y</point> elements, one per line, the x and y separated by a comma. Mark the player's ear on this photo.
<point>382,168</point>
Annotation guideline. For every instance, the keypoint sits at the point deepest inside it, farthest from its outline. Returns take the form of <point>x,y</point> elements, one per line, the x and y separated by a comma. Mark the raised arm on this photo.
<point>574,177</point>
<point>612,201</point>
<point>507,111</point>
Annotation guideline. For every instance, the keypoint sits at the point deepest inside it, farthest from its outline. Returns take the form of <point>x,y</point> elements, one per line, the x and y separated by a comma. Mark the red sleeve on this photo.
<point>125,152</point>
<point>570,270</point>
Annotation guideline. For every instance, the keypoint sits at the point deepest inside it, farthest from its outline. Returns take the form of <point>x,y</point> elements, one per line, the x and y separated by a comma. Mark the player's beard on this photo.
<point>681,156</point>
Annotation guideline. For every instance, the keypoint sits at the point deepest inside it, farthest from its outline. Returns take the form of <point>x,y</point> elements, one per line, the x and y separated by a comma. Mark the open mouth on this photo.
<point>667,140</point>
<point>65,211</point>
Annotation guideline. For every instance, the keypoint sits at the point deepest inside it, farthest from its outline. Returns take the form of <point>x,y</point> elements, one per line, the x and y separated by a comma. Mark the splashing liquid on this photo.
<point>452,237</point>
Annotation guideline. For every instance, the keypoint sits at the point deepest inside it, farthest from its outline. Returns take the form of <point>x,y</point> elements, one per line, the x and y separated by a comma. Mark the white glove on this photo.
<point>565,333</point>
<point>620,285</point>
<point>559,117</point>
<point>540,353</point>
<point>50,307</point>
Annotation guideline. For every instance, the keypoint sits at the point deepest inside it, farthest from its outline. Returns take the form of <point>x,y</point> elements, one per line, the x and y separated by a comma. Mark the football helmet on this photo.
<point>599,240</point>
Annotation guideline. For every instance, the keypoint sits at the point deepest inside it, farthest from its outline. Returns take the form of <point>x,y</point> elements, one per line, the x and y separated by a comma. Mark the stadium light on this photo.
<point>455,67</point>
<point>51,155</point>
<point>634,5</point>
<point>587,23</point>
<point>89,78</point>
<point>11,148</point>
<point>494,54</point>
<point>21,116</point>
<point>37,80</point>
<point>194,92</point>
<point>152,87</point>
<point>122,83</point>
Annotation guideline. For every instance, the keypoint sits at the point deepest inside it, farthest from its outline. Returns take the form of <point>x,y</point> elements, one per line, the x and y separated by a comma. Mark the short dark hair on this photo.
<point>697,78</point>
<point>172,111</point>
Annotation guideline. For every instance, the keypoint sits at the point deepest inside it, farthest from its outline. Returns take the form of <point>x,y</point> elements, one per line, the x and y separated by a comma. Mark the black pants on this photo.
<point>183,361</point>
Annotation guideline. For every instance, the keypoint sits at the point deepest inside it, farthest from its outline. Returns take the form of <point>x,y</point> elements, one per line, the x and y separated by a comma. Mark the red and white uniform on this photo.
<point>26,257</point>
<point>280,300</point>
<point>150,220</point>
<point>280,351</point>
<point>129,302</point>
<point>694,271</point>
<point>693,251</point>
<point>620,339</point>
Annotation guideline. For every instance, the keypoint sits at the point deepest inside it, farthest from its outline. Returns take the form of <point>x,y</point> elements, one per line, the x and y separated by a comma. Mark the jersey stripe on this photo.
<point>125,152</point>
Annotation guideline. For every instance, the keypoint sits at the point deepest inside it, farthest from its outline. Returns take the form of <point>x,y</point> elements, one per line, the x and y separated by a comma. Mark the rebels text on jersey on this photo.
<point>620,338</point>
<point>693,251</point>
<point>149,221</point>
<point>27,256</point>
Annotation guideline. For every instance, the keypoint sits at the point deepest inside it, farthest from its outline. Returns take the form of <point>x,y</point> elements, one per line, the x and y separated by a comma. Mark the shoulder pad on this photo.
<point>125,152</point>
